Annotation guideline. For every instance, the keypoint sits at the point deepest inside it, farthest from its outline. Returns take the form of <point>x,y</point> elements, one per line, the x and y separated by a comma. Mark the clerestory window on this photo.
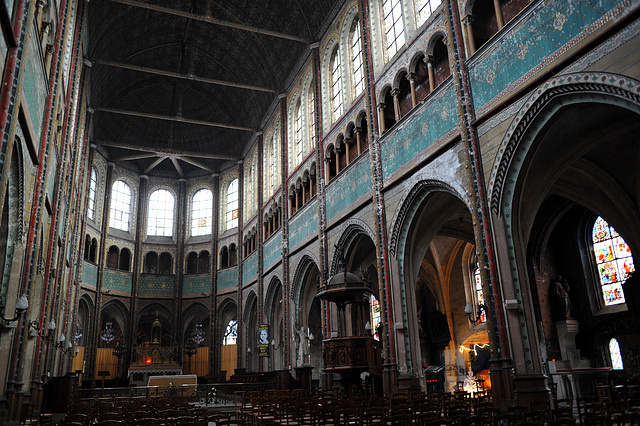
<point>336,85</point>
<point>120,206</point>
<point>356,59</point>
<point>201,212</point>
<point>160,219</point>
<point>424,9</point>
<point>232,204</point>
<point>298,133</point>
<point>91,205</point>
<point>393,26</point>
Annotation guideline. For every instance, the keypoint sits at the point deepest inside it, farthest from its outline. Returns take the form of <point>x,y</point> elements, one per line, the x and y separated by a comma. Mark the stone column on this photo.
<point>381,123</point>
<point>432,75</point>
<point>396,104</point>
<point>468,27</point>
<point>412,82</point>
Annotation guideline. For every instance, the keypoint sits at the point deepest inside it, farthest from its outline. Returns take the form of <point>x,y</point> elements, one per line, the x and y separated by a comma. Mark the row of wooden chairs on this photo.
<point>420,409</point>
<point>152,412</point>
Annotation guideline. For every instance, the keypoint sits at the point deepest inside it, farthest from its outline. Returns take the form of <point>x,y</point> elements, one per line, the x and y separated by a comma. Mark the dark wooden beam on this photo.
<point>176,118</point>
<point>190,77</point>
<point>174,160</point>
<point>155,163</point>
<point>211,20</point>
<point>168,151</point>
<point>196,163</point>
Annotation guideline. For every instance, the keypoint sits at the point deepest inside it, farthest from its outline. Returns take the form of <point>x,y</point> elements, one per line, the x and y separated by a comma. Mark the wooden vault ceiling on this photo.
<point>179,88</point>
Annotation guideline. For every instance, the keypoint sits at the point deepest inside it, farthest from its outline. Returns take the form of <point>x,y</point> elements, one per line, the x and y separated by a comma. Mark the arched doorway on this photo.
<point>275,318</point>
<point>443,313</point>
<point>195,332</point>
<point>569,158</point>
<point>306,327</point>
<point>112,340</point>
<point>228,336</point>
<point>251,332</point>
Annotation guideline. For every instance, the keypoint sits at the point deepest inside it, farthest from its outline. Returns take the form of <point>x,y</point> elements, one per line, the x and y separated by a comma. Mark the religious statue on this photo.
<point>561,291</point>
<point>303,350</point>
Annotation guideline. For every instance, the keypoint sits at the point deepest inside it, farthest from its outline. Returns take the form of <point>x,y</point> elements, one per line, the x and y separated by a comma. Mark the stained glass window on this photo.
<point>336,86</point>
<point>614,260</point>
<point>120,206</point>
<point>91,207</point>
<point>356,59</point>
<point>232,204</point>
<point>201,212</point>
<point>231,334</point>
<point>375,316</point>
<point>424,9</point>
<point>393,26</point>
<point>477,280</point>
<point>616,356</point>
<point>160,213</point>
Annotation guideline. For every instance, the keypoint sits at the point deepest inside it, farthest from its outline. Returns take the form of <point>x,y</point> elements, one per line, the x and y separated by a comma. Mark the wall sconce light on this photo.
<point>61,341</point>
<point>274,346</point>
<point>21,306</point>
<point>468,309</point>
<point>35,326</point>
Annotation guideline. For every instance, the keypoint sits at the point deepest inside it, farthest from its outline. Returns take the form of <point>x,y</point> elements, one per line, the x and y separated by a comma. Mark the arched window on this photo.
<point>165,263</point>
<point>479,296</point>
<point>93,250</point>
<point>233,255</point>
<point>201,212</point>
<point>336,85</point>
<point>120,205</point>
<point>616,356</point>
<point>192,263</point>
<point>151,263</point>
<point>273,164</point>
<point>224,257</point>
<point>375,317</point>
<point>87,246</point>
<point>231,333</point>
<point>441,68</point>
<point>393,26</point>
<point>91,206</point>
<point>203,262</point>
<point>112,257</point>
<point>232,204</point>
<point>297,125</point>
<point>614,260</point>
<point>160,213</point>
<point>424,9</point>
<point>125,260</point>
<point>311,119</point>
<point>356,59</point>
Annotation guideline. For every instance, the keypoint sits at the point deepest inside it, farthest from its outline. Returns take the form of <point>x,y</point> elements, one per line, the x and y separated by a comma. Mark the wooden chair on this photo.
<point>349,416</point>
<point>83,418</point>
<point>401,414</point>
<point>110,423</point>
<point>597,420</point>
<point>567,421</point>
<point>375,415</point>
